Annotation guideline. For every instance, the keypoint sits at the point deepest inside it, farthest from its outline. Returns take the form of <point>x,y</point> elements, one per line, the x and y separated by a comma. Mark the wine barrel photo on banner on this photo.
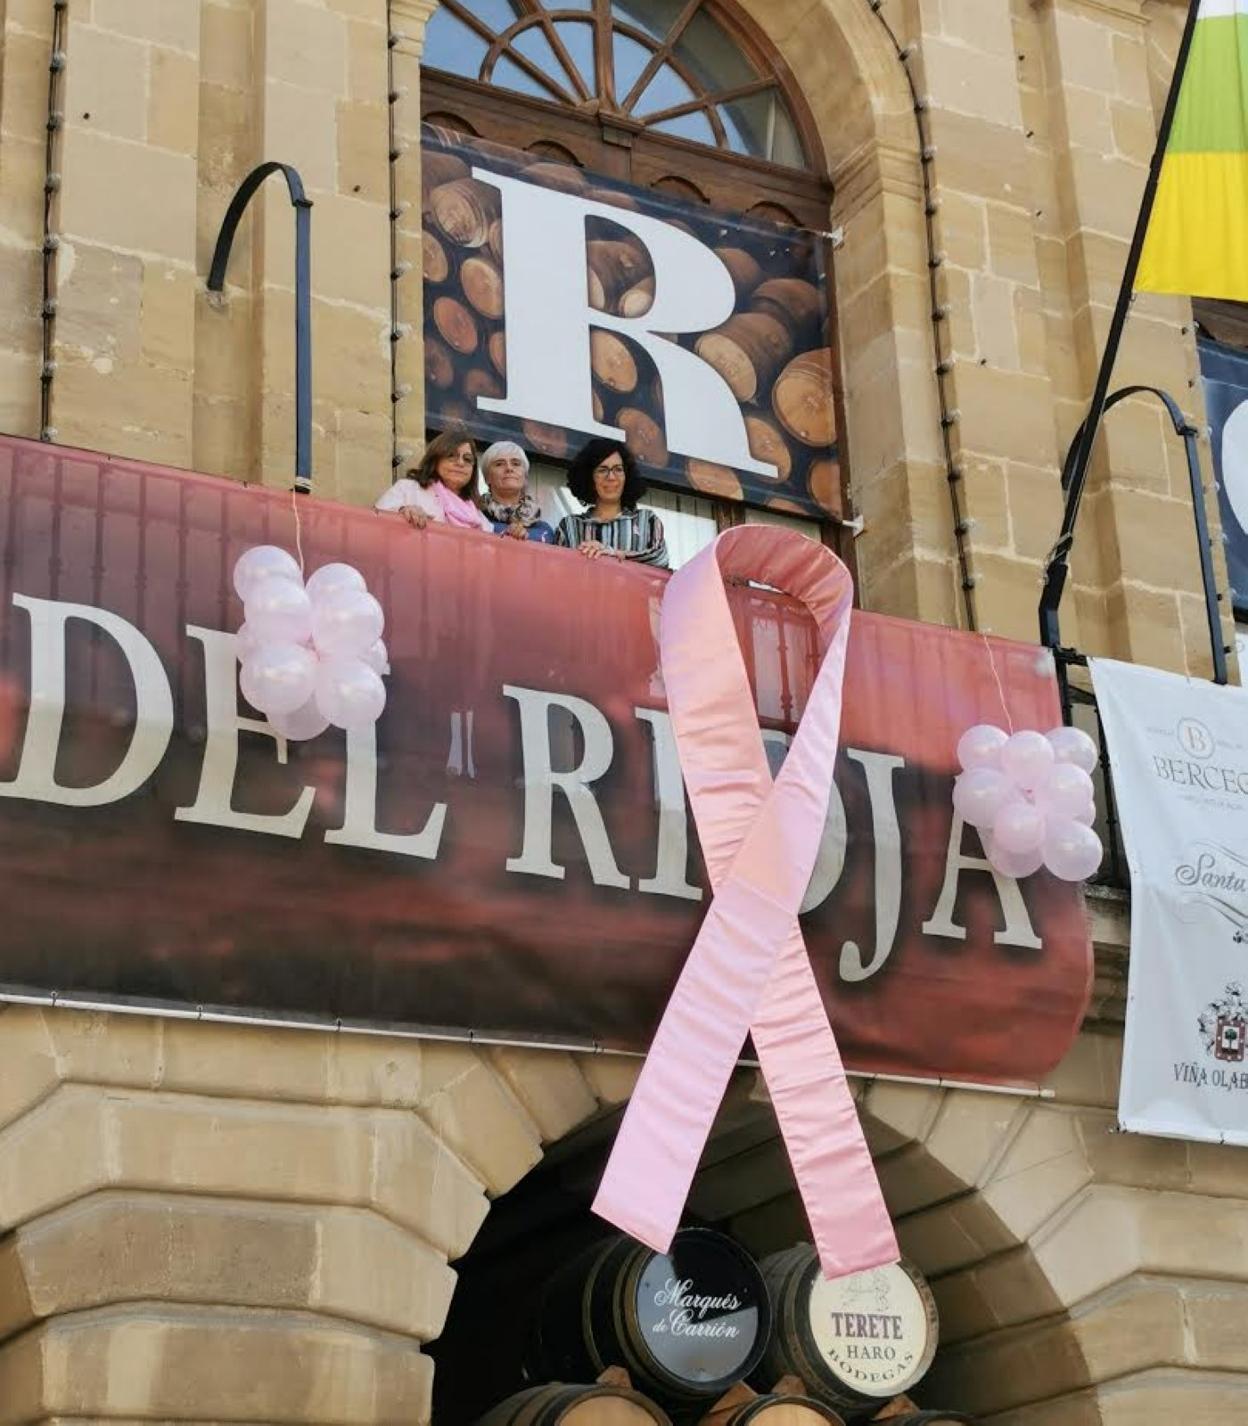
<point>685,1324</point>
<point>559,1404</point>
<point>856,1342</point>
<point>933,1418</point>
<point>774,350</point>
<point>773,1410</point>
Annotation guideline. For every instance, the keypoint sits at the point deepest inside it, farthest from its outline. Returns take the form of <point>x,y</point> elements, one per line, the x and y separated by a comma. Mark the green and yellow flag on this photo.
<point>1197,241</point>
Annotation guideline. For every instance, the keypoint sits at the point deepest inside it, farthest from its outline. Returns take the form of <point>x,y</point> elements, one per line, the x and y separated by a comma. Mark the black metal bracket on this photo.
<point>1056,566</point>
<point>302,205</point>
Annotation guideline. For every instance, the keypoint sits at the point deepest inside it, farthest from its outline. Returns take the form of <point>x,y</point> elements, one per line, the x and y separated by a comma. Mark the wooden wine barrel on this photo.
<point>743,268</point>
<point>614,267</point>
<point>479,382</point>
<point>713,479</point>
<point>435,266</point>
<point>483,285</point>
<point>802,398</point>
<point>790,300</point>
<point>497,346</point>
<point>549,173</point>
<point>746,351</point>
<point>932,1418</point>
<point>464,210</point>
<point>613,362</point>
<point>823,480</point>
<point>560,1405</point>
<point>439,368</point>
<point>638,300</point>
<point>645,436</point>
<point>774,1410</point>
<point>437,168</point>
<point>549,440</point>
<point>767,443</point>
<point>685,1325</point>
<point>855,1342</point>
<point>456,325</point>
<point>613,198</point>
<point>494,238</point>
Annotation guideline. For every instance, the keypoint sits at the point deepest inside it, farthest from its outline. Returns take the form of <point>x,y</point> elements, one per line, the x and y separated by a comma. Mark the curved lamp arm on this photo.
<point>302,205</point>
<point>1055,568</point>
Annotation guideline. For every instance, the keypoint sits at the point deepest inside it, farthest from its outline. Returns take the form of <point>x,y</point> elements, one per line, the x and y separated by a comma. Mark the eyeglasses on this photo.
<point>609,470</point>
<point>459,458</point>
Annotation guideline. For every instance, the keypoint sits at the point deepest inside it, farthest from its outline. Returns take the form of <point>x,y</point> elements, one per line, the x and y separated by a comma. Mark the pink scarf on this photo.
<point>455,509</point>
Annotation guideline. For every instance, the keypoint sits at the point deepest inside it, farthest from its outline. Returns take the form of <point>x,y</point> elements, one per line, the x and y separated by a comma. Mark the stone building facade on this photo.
<point>223,1223</point>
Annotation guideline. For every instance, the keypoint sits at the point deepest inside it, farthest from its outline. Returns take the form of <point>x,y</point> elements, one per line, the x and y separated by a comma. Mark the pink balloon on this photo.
<point>1015,864</point>
<point>1071,850</point>
<point>278,677</point>
<point>1085,814</point>
<point>349,693</point>
<point>278,611</point>
<point>245,642</point>
<point>1027,757</point>
<point>262,562</point>
<point>1064,792</point>
<point>377,657</point>
<point>306,721</point>
<point>981,746</point>
<point>1018,827</point>
<point>346,623</point>
<point>980,793</point>
<point>1072,745</point>
<point>332,577</point>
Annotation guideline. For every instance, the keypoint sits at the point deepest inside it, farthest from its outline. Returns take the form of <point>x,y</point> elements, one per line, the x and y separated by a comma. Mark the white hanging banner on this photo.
<point>1179,752</point>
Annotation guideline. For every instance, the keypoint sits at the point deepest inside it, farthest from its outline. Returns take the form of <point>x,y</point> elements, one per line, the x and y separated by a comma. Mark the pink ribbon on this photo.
<point>748,970</point>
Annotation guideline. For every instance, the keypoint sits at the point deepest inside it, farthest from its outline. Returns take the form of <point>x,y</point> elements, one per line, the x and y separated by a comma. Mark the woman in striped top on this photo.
<point>604,477</point>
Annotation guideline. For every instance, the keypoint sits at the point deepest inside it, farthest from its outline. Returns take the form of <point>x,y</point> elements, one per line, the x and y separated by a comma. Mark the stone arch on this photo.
<point>847,70</point>
<point>979,1185</point>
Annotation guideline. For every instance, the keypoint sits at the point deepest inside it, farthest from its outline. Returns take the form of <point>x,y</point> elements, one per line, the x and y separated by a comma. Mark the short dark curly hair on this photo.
<point>587,460</point>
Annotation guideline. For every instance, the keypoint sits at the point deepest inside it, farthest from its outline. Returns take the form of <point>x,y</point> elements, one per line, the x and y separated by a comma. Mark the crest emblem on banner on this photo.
<point>1224,1026</point>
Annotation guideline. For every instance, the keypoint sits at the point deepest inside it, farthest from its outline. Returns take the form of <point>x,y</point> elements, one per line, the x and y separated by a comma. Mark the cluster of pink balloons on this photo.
<point>1030,795</point>
<point>311,655</point>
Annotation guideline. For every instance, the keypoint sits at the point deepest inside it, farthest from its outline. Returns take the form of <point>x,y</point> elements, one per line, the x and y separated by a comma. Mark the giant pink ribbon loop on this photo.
<point>748,970</point>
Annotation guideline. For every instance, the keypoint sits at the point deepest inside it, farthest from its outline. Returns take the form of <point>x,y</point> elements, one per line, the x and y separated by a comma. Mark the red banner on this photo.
<point>509,853</point>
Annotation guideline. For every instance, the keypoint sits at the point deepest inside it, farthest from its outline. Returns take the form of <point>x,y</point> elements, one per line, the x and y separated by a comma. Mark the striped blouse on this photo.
<point>638,534</point>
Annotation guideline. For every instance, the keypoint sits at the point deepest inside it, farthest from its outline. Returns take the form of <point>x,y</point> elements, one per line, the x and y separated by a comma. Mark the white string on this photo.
<point>294,507</point>
<point>992,664</point>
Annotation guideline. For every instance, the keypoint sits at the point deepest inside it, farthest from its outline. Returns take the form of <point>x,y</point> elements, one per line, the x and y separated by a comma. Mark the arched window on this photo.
<point>682,95</point>
<point>687,97</point>
<point>662,65</point>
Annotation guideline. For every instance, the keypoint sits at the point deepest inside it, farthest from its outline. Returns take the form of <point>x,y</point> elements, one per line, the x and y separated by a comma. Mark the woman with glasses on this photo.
<point>442,488</point>
<point>603,476</point>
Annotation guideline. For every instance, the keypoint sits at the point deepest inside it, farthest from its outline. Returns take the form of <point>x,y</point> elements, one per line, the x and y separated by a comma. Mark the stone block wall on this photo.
<point>207,1222</point>
<point>1038,117</point>
<point>166,107</point>
<point>221,1223</point>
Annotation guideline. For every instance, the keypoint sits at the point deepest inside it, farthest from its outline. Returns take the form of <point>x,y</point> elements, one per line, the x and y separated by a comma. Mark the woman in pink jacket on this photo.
<point>442,488</point>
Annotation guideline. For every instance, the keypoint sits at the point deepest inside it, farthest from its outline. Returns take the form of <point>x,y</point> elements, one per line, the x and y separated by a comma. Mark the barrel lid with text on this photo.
<point>703,1310</point>
<point>877,1329</point>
